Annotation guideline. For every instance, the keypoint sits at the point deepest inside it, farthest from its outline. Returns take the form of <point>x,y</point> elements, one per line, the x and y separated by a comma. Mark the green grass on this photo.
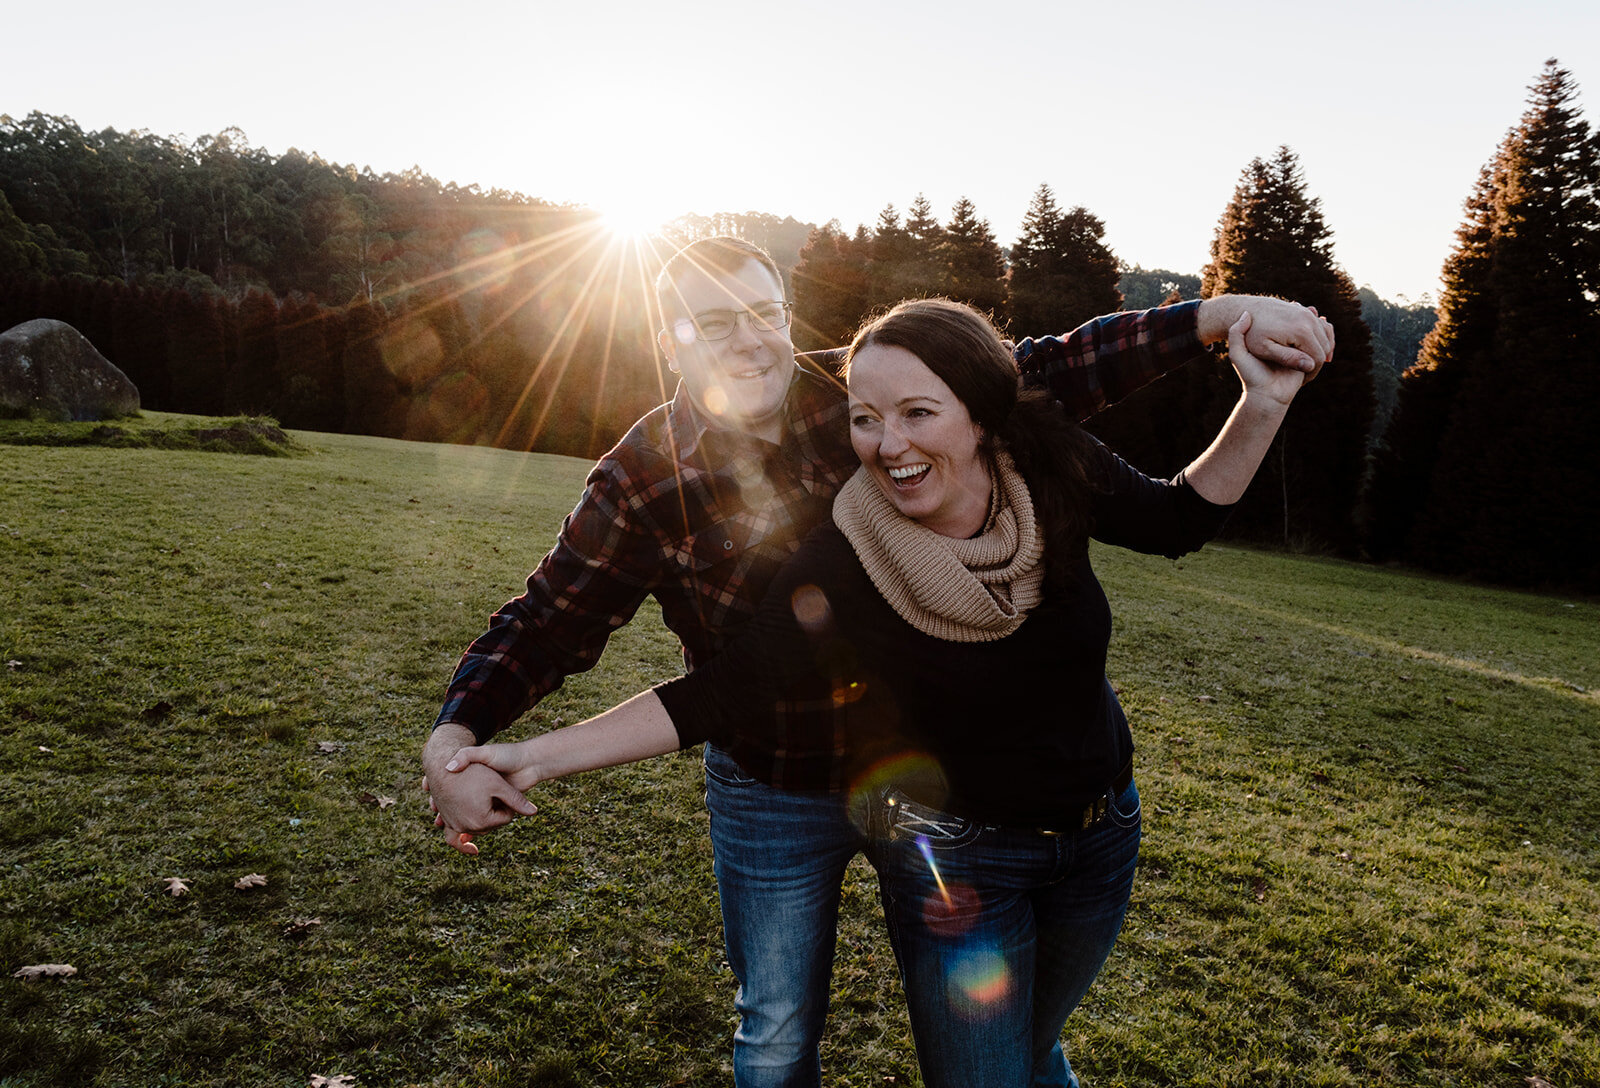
<point>155,430</point>
<point>1371,855</point>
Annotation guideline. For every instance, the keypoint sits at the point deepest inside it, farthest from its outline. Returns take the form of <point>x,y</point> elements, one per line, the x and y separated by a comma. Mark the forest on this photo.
<point>1454,433</point>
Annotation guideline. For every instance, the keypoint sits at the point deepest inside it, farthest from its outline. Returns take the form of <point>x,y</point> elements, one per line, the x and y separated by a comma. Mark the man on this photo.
<point>698,506</point>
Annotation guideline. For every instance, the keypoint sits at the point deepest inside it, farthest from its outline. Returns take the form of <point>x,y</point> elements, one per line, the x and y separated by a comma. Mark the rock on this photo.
<point>48,368</point>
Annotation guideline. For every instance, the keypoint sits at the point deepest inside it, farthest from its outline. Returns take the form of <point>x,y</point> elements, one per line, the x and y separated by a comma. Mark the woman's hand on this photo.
<point>516,762</point>
<point>1260,379</point>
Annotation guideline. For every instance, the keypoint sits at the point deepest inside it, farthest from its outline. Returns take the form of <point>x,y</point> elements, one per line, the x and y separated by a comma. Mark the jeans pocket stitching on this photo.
<point>737,779</point>
<point>908,820</point>
<point>1121,818</point>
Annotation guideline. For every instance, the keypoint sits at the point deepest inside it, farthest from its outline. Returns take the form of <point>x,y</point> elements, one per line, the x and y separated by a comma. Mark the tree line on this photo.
<point>224,279</point>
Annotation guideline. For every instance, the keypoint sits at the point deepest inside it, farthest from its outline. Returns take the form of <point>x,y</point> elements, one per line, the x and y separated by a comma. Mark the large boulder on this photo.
<point>49,368</point>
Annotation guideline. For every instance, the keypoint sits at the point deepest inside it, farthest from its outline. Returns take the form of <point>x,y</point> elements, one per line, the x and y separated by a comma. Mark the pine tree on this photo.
<point>1062,274</point>
<point>891,252</point>
<point>1272,240</point>
<point>975,266</point>
<point>925,272</point>
<point>1514,367</point>
<point>195,356</point>
<point>1458,342</point>
<point>830,289</point>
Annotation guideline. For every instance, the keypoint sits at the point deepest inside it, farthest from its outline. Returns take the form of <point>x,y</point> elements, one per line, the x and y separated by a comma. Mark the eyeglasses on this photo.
<point>713,325</point>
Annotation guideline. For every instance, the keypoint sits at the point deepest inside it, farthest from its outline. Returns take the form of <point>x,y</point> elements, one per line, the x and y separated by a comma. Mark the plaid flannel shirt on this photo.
<point>701,519</point>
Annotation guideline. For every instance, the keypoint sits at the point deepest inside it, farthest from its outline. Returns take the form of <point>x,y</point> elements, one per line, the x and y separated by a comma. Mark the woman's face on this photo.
<point>918,441</point>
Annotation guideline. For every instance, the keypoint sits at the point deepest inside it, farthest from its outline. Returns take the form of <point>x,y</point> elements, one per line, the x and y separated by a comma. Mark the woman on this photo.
<point>951,617</point>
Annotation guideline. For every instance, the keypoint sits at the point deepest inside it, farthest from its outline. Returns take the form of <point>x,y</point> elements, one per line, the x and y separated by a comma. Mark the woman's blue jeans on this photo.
<point>999,932</point>
<point>780,861</point>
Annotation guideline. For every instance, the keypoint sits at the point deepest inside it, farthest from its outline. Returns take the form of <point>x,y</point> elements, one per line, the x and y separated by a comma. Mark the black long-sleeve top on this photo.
<point>1024,730</point>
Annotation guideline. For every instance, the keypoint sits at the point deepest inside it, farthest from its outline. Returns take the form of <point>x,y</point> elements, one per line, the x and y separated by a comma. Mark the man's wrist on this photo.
<point>1217,314</point>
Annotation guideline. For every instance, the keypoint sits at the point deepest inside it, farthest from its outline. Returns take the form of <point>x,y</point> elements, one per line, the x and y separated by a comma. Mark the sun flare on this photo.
<point>633,222</point>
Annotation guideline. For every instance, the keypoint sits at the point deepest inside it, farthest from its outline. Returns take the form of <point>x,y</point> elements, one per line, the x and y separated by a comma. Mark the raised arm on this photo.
<point>1104,360</point>
<point>1282,334</point>
<point>1221,474</point>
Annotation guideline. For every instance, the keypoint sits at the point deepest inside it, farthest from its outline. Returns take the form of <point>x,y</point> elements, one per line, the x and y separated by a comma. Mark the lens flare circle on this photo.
<point>978,981</point>
<point>866,790</point>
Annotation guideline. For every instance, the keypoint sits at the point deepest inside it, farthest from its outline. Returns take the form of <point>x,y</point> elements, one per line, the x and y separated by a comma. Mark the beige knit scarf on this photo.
<point>975,590</point>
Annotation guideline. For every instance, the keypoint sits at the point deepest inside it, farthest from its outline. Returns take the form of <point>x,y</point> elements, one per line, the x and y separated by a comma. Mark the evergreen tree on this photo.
<point>312,391</point>
<point>1272,240</point>
<point>975,266</point>
<point>925,272</point>
<point>372,399</point>
<point>891,253</point>
<point>253,381</point>
<point>196,359</point>
<point>1507,387</point>
<point>1062,274</point>
<point>830,289</point>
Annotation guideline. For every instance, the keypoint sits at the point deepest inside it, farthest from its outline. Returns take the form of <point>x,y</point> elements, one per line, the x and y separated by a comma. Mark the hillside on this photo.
<point>1371,806</point>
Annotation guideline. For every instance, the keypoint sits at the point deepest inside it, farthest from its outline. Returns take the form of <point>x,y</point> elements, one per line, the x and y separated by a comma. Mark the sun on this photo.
<point>633,222</point>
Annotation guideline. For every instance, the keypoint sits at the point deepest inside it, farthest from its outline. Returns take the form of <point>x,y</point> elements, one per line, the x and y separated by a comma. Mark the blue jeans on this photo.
<point>780,862</point>
<point>999,932</point>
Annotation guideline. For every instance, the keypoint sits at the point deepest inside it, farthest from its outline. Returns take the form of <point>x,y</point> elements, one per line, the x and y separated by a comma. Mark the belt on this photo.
<point>1096,810</point>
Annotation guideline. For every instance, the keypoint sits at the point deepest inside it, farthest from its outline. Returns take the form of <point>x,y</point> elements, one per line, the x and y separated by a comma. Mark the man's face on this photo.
<point>739,381</point>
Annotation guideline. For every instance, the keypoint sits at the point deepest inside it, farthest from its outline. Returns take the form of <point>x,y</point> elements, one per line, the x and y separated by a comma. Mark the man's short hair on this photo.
<point>722,255</point>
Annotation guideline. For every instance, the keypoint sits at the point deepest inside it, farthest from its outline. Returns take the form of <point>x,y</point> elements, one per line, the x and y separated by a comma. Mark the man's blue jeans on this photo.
<point>780,862</point>
<point>999,933</point>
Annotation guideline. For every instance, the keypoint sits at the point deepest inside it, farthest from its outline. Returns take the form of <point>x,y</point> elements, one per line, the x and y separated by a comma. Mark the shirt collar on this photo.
<point>693,434</point>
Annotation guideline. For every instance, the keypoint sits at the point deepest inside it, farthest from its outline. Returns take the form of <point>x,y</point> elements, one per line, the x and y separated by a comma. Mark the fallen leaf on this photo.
<point>1343,855</point>
<point>252,880</point>
<point>1539,1082</point>
<point>1207,698</point>
<point>341,1080</point>
<point>1406,678</point>
<point>330,745</point>
<point>385,802</point>
<point>46,751</point>
<point>176,887</point>
<point>44,970</point>
<point>300,925</point>
<point>13,664</point>
<point>1260,888</point>
<point>1458,767</point>
<point>374,799</point>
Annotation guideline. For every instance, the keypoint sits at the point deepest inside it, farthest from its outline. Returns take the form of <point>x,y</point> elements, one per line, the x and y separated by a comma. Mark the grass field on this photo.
<point>1372,798</point>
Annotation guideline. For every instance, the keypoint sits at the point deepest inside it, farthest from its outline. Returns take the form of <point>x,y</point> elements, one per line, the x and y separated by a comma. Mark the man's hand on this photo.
<point>1284,334</point>
<point>470,800</point>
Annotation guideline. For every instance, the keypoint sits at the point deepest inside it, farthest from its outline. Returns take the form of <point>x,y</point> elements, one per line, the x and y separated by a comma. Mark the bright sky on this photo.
<point>1144,113</point>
